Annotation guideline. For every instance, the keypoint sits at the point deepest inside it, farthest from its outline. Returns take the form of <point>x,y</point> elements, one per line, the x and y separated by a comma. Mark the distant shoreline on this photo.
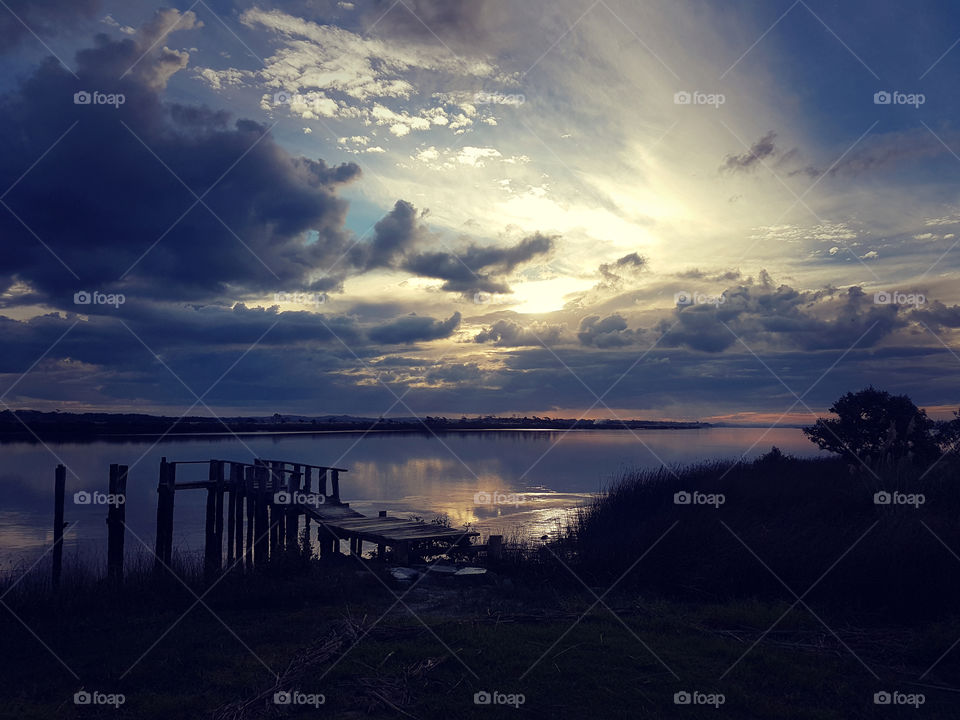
<point>31,425</point>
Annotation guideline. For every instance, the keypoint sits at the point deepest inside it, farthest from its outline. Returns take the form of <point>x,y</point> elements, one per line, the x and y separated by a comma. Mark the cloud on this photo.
<point>467,21</point>
<point>110,199</point>
<point>46,18</point>
<point>765,316</point>
<point>393,236</point>
<point>746,162</point>
<point>415,329</point>
<point>476,268</point>
<point>616,273</point>
<point>609,332</point>
<point>510,333</point>
<point>325,70</point>
<point>937,315</point>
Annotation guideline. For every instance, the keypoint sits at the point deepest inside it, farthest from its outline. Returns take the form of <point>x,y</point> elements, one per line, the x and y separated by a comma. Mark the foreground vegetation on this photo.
<point>694,596</point>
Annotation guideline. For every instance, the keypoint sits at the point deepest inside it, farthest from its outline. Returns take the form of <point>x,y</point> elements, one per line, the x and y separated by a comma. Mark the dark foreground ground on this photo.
<point>387,651</point>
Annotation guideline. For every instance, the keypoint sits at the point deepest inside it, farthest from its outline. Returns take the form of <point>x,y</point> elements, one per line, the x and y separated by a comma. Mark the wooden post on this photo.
<point>239,490</point>
<point>218,525</point>
<point>402,552</point>
<point>261,529</point>
<point>381,549</point>
<point>59,483</point>
<point>232,513</point>
<point>307,488</point>
<point>116,514</point>
<point>212,550</point>
<point>335,485</point>
<point>251,499</point>
<point>165,495</point>
<point>293,510</point>
<point>274,514</point>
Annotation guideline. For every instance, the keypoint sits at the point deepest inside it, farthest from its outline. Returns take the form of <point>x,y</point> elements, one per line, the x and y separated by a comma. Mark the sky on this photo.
<point>680,210</point>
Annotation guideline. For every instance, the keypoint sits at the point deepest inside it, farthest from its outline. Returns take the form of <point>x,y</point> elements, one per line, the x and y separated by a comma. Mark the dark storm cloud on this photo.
<point>21,18</point>
<point>415,328</point>
<point>476,268</point>
<point>105,340</point>
<point>614,274</point>
<point>608,332</point>
<point>510,333</point>
<point>393,236</point>
<point>454,373</point>
<point>938,315</point>
<point>103,203</point>
<point>781,317</point>
<point>761,150</point>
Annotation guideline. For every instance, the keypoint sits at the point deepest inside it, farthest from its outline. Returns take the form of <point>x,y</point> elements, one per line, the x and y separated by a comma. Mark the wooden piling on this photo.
<point>213,550</point>
<point>116,515</point>
<point>59,484</point>
<point>236,501</point>
<point>274,513</point>
<point>165,495</point>
<point>261,525</point>
<point>232,514</point>
<point>307,488</point>
<point>292,521</point>
<point>250,498</point>
<point>335,485</point>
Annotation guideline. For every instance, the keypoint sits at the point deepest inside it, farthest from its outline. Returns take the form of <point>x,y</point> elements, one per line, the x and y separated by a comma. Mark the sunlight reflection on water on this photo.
<point>510,482</point>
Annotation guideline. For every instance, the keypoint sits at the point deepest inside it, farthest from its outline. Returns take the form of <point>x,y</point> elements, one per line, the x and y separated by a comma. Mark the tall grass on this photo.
<point>784,523</point>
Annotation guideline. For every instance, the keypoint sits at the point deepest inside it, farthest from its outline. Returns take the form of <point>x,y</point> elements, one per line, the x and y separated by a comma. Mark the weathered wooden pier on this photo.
<point>271,506</point>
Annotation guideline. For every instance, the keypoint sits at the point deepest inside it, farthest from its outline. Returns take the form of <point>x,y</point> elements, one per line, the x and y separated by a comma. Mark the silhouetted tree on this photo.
<point>873,424</point>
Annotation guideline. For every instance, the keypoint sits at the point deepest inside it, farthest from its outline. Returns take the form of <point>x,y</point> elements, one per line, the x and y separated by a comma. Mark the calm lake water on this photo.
<point>403,473</point>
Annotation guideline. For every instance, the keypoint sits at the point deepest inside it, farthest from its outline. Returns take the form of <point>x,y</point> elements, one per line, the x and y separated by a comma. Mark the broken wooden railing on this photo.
<point>270,508</point>
<point>263,505</point>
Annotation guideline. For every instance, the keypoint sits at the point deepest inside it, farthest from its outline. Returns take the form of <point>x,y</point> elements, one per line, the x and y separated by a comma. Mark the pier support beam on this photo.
<point>59,483</point>
<point>165,493</point>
